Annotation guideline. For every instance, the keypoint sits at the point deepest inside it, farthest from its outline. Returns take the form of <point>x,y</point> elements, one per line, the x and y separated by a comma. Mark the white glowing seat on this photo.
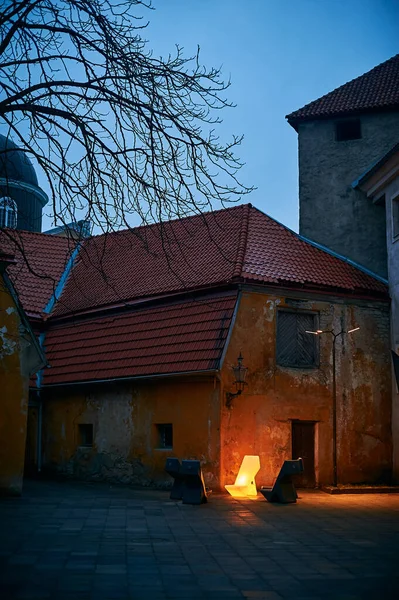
<point>245,481</point>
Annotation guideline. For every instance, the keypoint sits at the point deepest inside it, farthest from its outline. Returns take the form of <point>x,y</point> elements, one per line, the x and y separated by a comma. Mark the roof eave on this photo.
<point>130,378</point>
<point>295,121</point>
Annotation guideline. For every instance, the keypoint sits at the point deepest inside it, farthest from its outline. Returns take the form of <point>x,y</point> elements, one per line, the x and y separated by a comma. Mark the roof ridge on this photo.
<point>242,241</point>
<point>176,220</point>
<point>24,232</point>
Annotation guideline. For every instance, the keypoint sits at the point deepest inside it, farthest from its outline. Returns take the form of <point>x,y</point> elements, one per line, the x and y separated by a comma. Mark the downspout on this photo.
<point>40,413</point>
<point>39,435</point>
<point>218,377</point>
<point>47,310</point>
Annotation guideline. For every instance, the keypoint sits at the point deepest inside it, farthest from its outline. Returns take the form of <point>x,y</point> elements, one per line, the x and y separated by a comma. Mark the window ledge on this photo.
<point>296,368</point>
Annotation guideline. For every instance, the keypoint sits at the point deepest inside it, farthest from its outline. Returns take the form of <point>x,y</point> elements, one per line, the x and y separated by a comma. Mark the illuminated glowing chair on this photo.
<point>245,481</point>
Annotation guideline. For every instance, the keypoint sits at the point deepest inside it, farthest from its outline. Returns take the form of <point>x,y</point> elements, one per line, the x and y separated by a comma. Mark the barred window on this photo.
<point>8,212</point>
<point>295,347</point>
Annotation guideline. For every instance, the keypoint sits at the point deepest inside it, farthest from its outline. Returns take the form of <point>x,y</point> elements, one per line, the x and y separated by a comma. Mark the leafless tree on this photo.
<point>116,131</point>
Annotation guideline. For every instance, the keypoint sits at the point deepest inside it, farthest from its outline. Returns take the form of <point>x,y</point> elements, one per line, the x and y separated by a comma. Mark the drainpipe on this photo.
<point>40,413</point>
<point>334,411</point>
<point>39,434</point>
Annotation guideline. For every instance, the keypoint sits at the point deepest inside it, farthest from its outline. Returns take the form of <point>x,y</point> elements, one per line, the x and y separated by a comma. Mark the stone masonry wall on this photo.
<point>331,212</point>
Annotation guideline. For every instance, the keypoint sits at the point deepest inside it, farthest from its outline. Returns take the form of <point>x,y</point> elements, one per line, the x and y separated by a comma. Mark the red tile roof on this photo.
<point>177,338</point>
<point>235,244</point>
<point>276,255</point>
<point>376,90</point>
<point>40,263</point>
<point>190,253</point>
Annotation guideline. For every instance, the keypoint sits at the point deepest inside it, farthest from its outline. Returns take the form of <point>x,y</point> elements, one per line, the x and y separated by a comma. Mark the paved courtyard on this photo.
<point>92,541</point>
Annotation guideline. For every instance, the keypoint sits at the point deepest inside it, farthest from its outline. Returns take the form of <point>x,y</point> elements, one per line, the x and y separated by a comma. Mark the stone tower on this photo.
<point>21,198</point>
<point>340,136</point>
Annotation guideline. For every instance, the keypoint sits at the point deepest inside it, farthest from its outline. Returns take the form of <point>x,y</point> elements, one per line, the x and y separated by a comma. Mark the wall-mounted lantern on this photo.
<point>240,374</point>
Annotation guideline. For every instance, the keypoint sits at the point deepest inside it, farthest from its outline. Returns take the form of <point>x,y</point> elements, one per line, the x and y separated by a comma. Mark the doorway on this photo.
<point>303,446</point>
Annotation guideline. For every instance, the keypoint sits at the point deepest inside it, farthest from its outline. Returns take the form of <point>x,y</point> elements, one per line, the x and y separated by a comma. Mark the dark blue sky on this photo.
<point>280,54</point>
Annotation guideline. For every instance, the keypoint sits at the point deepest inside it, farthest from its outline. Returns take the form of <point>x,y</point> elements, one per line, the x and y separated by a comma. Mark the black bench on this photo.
<point>283,489</point>
<point>194,491</point>
<point>188,484</point>
<point>172,467</point>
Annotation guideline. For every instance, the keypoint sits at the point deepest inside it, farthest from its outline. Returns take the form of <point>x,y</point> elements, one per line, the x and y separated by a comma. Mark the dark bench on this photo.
<point>188,484</point>
<point>283,489</point>
<point>194,491</point>
<point>172,467</point>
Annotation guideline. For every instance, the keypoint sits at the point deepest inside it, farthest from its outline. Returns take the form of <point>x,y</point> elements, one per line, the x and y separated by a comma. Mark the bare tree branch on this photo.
<point>116,131</point>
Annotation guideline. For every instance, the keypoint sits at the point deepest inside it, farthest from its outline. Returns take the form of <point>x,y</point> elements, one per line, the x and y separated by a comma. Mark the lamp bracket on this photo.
<point>230,397</point>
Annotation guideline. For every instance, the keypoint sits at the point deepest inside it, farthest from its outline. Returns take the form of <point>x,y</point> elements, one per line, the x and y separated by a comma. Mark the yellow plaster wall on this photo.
<point>125,436</point>
<point>260,420</point>
<point>13,397</point>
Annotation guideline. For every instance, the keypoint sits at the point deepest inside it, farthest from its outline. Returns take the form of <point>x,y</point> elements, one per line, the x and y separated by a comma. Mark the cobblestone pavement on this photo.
<point>80,541</point>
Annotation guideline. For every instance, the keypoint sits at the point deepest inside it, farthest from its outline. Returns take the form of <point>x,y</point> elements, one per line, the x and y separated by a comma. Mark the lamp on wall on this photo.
<point>240,373</point>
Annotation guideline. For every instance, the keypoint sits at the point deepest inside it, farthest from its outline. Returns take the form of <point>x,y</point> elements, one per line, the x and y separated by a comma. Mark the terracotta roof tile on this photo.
<point>277,255</point>
<point>376,90</point>
<point>190,253</point>
<point>240,243</point>
<point>40,263</point>
<point>231,245</point>
<point>180,337</point>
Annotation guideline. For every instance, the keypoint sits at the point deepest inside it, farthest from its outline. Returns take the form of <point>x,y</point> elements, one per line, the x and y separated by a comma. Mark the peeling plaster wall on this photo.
<point>124,417</point>
<point>14,379</point>
<point>260,420</point>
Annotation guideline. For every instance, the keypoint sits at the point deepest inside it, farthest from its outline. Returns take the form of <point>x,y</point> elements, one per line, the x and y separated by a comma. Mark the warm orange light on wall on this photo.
<point>245,481</point>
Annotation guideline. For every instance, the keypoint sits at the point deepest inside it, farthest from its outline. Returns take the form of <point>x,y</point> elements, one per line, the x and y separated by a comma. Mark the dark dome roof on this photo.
<point>15,164</point>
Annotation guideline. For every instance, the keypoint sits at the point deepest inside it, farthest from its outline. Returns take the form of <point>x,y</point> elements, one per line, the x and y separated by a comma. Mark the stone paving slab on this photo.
<point>64,541</point>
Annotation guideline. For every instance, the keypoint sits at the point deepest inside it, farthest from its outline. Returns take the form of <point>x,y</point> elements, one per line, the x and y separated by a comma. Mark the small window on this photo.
<point>8,212</point>
<point>348,130</point>
<point>395,217</point>
<point>165,435</point>
<point>86,435</point>
<point>295,347</point>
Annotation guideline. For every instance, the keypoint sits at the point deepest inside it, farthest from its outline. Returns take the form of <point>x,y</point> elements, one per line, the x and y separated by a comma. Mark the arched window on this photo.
<point>8,212</point>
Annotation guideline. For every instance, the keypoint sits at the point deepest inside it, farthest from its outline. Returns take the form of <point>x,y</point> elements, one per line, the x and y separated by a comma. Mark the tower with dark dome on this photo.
<point>21,198</point>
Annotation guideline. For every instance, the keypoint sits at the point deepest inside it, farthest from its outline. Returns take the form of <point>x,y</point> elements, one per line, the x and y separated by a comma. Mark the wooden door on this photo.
<point>303,447</point>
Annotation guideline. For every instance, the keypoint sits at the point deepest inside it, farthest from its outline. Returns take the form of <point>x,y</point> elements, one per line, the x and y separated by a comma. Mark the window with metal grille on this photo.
<point>295,347</point>
<point>165,435</point>
<point>8,212</point>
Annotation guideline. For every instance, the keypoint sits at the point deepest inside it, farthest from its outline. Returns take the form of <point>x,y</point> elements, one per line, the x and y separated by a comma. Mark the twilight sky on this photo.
<point>280,55</point>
